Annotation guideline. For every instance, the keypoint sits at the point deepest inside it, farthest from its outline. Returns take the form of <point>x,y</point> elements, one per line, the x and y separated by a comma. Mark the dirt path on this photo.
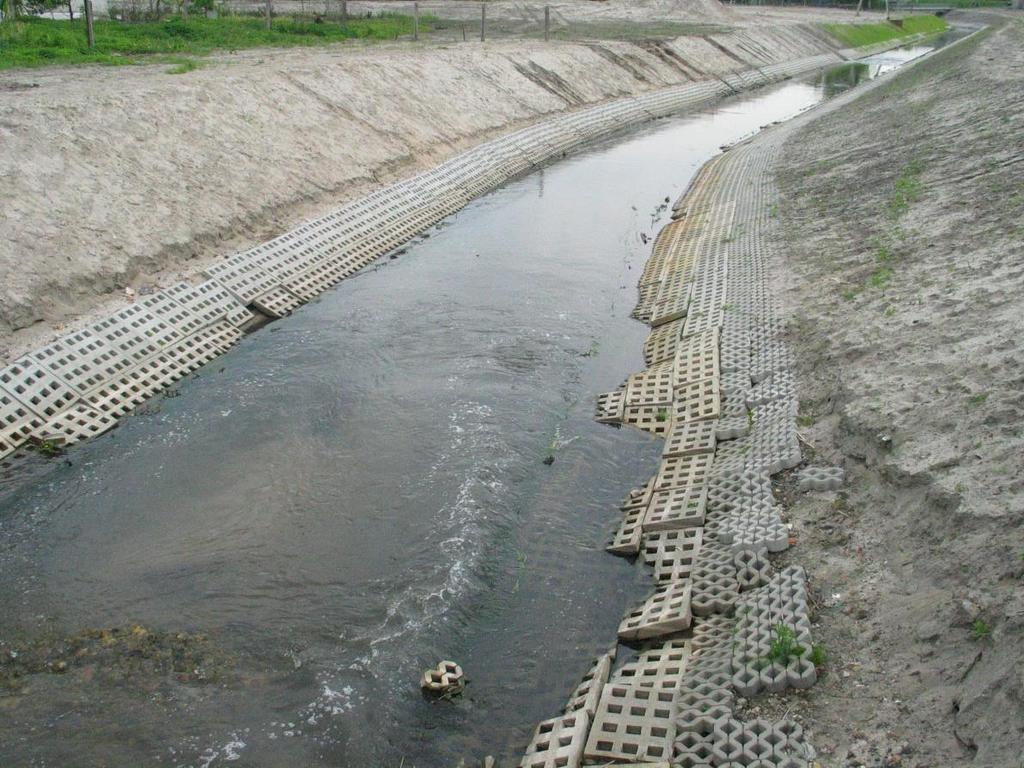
<point>904,280</point>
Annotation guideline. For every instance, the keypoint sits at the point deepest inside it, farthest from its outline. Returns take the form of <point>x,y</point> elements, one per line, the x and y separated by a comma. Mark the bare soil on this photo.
<point>904,287</point>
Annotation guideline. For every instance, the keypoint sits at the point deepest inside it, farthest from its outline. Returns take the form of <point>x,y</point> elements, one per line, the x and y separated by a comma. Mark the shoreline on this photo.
<point>729,626</point>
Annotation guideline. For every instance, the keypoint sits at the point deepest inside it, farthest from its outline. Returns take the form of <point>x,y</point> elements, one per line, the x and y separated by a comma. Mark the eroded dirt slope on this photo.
<point>903,215</point>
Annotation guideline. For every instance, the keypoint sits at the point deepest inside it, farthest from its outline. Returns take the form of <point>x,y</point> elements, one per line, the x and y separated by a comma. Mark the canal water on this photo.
<point>360,490</point>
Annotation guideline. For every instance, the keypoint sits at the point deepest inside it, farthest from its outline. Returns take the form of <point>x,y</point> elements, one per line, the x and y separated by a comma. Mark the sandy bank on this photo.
<point>903,284</point>
<point>145,176</point>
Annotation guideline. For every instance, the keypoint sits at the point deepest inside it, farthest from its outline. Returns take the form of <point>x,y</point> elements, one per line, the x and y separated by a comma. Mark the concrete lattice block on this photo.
<point>697,400</point>
<point>38,390</point>
<point>664,612</point>
<point>676,508</point>
<point>626,540</point>
<point>558,743</point>
<point>677,472</point>
<point>653,418</point>
<point>588,692</point>
<point>673,553</point>
<point>610,406</point>
<point>17,423</point>
<point>633,723</point>
<point>662,342</point>
<point>652,386</point>
<point>820,479</point>
<point>659,668</point>
<point>690,437</point>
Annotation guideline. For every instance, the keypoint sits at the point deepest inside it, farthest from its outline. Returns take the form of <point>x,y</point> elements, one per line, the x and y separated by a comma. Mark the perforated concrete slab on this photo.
<point>610,406</point>
<point>135,333</point>
<point>626,540</point>
<point>674,553</point>
<point>691,437</point>
<point>210,302</point>
<point>588,693</point>
<point>662,342</point>
<point>676,508</point>
<point>558,742</point>
<point>18,423</point>
<point>278,301</point>
<point>36,388</point>
<point>663,613</point>
<point>82,360</point>
<point>632,723</point>
<point>655,418</point>
<point>653,386</point>
<point>684,472</point>
<point>77,423</point>
<point>697,400</point>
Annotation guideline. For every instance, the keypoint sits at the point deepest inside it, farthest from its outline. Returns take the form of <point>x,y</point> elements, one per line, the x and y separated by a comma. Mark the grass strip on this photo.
<point>34,41</point>
<point>858,35</point>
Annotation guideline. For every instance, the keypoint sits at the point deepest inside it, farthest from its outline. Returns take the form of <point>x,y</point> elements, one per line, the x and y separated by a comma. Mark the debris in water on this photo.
<point>446,679</point>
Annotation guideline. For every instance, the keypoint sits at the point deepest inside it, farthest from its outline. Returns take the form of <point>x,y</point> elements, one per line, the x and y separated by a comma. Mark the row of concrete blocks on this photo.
<point>78,385</point>
<point>81,384</point>
<point>710,521</point>
<point>674,703</point>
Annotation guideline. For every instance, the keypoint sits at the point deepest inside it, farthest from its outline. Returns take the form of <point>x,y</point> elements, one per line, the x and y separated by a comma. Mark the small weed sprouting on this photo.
<point>960,488</point>
<point>850,294</point>
<point>47,448</point>
<point>773,211</point>
<point>750,419</point>
<point>661,415</point>
<point>980,629</point>
<point>978,399</point>
<point>804,420</point>
<point>907,188</point>
<point>880,277</point>
<point>818,655</point>
<point>784,647</point>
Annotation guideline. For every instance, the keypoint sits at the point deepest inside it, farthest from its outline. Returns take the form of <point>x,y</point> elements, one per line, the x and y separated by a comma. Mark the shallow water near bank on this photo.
<point>358,491</point>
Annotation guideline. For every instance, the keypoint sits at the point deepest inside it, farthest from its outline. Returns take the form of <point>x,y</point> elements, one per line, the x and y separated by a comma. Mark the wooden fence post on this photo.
<point>90,35</point>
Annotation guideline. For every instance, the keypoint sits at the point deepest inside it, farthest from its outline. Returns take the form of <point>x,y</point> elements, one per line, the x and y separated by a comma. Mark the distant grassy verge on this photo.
<point>857,35</point>
<point>34,42</point>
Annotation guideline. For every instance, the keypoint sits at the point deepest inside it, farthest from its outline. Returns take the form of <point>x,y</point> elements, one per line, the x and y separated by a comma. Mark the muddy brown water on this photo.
<point>358,491</point>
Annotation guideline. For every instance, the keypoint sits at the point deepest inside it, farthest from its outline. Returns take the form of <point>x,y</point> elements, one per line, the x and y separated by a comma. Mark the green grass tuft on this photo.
<point>858,35</point>
<point>980,629</point>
